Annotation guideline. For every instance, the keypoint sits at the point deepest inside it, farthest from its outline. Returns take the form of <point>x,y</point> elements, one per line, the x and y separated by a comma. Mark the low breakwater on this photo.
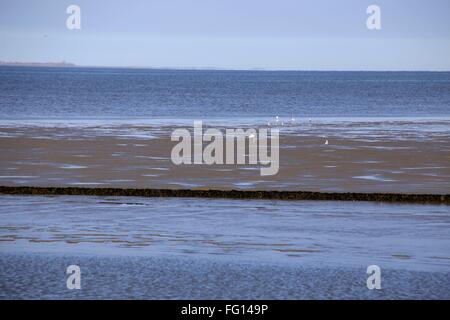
<point>229,194</point>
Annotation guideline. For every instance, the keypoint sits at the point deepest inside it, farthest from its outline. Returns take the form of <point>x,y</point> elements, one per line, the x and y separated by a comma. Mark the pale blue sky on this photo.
<point>277,34</point>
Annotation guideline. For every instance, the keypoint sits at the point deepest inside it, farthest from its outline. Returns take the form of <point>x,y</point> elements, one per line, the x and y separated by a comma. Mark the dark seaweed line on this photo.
<point>229,194</point>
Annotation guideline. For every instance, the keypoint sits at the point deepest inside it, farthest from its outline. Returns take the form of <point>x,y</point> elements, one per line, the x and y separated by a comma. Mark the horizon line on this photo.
<point>65,64</point>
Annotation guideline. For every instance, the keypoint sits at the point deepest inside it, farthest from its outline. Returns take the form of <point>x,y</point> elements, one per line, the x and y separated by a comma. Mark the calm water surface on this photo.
<point>252,249</point>
<point>74,93</point>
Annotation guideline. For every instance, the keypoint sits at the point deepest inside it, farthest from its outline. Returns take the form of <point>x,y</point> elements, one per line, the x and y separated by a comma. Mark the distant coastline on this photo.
<point>63,64</point>
<point>37,64</point>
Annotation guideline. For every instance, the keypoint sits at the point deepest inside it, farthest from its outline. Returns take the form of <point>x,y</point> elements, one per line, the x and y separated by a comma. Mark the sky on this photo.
<point>230,34</point>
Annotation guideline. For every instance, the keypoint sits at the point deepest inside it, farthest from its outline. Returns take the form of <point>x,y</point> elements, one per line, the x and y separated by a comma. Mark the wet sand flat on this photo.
<point>398,156</point>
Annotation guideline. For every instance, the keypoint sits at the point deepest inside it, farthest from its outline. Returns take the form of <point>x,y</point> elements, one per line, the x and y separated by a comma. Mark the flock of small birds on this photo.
<point>278,122</point>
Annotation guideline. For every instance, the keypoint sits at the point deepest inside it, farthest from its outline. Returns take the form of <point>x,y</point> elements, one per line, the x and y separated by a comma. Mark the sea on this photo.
<point>99,93</point>
<point>134,248</point>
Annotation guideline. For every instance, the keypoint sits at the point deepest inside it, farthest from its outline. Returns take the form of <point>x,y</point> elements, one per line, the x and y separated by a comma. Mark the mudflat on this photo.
<point>384,156</point>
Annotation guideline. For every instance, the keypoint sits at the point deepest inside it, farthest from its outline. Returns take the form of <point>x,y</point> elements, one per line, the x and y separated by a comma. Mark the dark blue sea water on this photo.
<point>80,93</point>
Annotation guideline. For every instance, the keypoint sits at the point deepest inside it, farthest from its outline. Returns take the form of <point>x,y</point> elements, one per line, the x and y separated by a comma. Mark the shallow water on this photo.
<point>43,276</point>
<point>244,244</point>
<point>312,232</point>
